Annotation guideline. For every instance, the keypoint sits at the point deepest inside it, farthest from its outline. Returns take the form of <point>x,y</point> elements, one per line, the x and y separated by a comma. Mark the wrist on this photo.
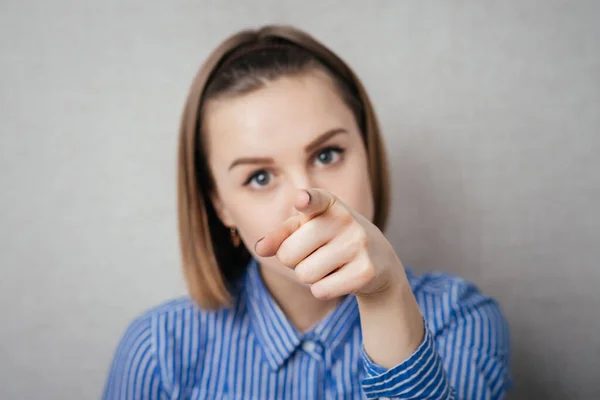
<point>393,327</point>
<point>393,291</point>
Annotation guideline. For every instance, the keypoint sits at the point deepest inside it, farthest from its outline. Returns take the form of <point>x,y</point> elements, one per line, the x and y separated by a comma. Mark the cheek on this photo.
<point>353,187</point>
<point>363,196</point>
<point>364,192</point>
<point>255,219</point>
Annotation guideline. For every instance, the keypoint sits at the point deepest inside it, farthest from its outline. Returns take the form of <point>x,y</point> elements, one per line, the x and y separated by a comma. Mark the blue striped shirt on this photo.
<point>251,351</point>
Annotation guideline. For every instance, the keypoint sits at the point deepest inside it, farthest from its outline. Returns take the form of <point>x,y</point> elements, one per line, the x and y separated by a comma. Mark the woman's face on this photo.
<point>262,146</point>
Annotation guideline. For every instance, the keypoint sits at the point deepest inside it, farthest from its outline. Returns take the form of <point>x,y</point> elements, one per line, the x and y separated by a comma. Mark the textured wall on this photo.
<point>490,111</point>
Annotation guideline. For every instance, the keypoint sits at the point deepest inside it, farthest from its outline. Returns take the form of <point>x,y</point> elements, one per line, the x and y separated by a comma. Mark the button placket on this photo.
<point>309,346</point>
<point>313,348</point>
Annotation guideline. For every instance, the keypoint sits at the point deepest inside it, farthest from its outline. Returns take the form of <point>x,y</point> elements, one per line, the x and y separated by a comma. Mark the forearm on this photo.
<point>392,324</point>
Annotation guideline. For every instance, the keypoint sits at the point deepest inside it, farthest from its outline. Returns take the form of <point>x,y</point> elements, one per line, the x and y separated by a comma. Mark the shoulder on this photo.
<point>175,314</point>
<point>442,285</point>
<point>466,325</point>
<point>167,312</point>
<point>449,300</point>
<point>149,327</point>
<point>153,320</point>
<point>137,366</point>
<point>179,325</point>
<point>176,334</point>
<point>141,332</point>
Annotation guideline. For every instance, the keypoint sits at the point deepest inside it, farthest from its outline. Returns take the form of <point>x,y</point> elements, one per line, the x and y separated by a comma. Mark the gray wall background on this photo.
<point>490,110</point>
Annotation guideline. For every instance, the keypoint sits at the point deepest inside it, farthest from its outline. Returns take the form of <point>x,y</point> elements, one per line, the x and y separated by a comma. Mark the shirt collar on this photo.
<point>277,337</point>
<point>335,328</point>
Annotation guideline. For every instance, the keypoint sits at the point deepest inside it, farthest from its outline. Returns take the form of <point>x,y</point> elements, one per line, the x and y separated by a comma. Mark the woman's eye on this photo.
<point>329,155</point>
<point>259,179</point>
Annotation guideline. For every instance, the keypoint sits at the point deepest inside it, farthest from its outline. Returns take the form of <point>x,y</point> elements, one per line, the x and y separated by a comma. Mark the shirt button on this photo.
<point>309,346</point>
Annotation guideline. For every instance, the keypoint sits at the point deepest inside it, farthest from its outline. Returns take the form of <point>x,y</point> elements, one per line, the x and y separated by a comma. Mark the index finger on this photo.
<point>315,202</point>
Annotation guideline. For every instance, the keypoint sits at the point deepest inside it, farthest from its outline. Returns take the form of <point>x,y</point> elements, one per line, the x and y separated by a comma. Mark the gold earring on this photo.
<point>235,238</point>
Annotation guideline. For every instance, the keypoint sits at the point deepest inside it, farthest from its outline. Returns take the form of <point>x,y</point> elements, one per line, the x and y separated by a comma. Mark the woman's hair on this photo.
<point>245,62</point>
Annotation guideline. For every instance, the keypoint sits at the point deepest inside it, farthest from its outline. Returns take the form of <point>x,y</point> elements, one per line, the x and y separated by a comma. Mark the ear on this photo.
<point>221,210</point>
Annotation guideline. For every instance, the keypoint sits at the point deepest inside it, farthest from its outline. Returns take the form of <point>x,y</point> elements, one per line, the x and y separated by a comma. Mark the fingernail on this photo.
<point>257,242</point>
<point>308,194</point>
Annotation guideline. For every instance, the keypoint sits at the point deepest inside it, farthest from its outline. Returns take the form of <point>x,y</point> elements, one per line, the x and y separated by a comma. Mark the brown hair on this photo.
<point>242,63</point>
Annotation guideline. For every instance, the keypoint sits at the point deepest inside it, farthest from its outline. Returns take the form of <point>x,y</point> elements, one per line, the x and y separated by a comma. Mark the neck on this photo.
<point>296,301</point>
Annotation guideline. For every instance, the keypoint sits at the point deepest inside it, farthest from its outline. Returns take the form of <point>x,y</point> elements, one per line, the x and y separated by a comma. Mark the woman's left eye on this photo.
<point>329,155</point>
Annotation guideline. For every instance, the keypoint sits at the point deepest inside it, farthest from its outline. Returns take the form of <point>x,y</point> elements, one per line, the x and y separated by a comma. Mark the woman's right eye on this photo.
<point>259,179</point>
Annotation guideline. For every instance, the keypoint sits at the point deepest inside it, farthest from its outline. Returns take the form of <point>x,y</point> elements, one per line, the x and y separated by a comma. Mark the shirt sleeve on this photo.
<point>134,373</point>
<point>465,358</point>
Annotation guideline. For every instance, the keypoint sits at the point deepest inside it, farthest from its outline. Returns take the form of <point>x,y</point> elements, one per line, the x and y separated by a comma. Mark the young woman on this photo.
<point>295,293</point>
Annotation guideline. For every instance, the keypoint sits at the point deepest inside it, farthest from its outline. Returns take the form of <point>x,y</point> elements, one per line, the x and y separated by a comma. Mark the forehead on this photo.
<point>287,112</point>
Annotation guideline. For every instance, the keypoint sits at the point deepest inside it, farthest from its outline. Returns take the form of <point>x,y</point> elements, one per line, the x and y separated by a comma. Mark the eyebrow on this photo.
<point>323,138</point>
<point>307,149</point>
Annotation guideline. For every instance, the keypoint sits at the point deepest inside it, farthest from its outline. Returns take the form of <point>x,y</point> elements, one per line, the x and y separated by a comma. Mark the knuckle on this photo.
<point>367,273</point>
<point>303,274</point>
<point>285,256</point>
<point>360,239</point>
<point>327,197</point>
<point>346,218</point>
